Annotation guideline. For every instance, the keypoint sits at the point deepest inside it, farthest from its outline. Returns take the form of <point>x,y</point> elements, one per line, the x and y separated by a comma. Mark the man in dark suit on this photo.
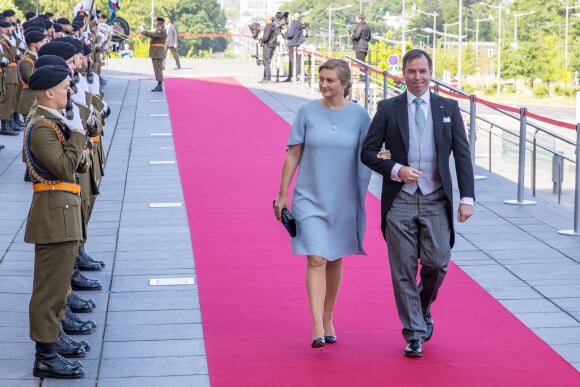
<point>157,50</point>
<point>295,37</point>
<point>171,42</point>
<point>420,130</point>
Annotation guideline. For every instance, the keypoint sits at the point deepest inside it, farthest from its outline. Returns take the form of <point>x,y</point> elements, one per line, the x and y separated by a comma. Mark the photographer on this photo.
<point>295,37</point>
<point>269,43</point>
<point>360,39</point>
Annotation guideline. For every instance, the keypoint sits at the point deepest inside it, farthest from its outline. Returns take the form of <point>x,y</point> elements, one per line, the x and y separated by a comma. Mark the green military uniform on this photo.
<point>25,69</point>
<point>157,50</point>
<point>54,224</point>
<point>9,81</point>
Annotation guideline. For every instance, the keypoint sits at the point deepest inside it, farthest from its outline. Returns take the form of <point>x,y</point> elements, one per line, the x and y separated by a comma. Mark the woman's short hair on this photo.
<point>342,70</point>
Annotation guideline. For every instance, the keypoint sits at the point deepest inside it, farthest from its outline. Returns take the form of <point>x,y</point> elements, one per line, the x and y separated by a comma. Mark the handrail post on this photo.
<point>385,85</point>
<point>472,135</point>
<point>521,161</point>
<point>312,70</point>
<point>367,81</point>
<point>576,230</point>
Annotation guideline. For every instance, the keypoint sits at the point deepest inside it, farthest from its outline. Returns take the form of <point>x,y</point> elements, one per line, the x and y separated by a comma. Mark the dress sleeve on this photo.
<point>298,130</point>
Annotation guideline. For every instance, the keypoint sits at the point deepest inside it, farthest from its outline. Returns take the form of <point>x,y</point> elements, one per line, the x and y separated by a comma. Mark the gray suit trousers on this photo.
<point>417,229</point>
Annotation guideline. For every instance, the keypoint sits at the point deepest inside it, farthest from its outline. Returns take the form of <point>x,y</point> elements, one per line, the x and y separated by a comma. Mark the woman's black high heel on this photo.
<point>330,339</point>
<point>318,343</point>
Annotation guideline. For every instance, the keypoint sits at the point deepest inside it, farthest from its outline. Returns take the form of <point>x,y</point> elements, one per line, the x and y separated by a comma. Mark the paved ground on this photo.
<point>152,335</point>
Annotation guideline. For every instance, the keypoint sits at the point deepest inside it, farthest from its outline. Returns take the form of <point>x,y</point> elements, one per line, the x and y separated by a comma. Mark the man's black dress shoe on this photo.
<point>414,348</point>
<point>330,339</point>
<point>429,323</point>
<point>318,343</point>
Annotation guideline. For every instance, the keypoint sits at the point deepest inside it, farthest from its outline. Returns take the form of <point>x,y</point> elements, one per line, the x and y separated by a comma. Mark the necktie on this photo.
<point>419,116</point>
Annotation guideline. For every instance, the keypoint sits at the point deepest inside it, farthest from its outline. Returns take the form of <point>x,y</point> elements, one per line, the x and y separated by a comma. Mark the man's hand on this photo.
<point>409,174</point>
<point>464,212</point>
<point>175,46</point>
<point>384,154</point>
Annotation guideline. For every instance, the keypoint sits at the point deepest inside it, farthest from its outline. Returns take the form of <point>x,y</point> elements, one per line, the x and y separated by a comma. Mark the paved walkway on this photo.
<point>152,335</point>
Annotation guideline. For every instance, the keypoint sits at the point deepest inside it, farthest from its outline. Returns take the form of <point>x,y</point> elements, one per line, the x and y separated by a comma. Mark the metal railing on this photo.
<point>379,84</point>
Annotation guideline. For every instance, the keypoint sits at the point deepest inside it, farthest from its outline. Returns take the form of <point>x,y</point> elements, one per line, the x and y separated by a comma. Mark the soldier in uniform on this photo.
<point>34,40</point>
<point>8,80</point>
<point>55,152</point>
<point>157,50</point>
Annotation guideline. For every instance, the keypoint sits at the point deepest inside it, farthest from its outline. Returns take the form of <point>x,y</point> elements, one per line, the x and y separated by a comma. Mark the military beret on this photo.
<point>34,29</point>
<point>42,16</point>
<point>50,60</point>
<point>76,26</point>
<point>29,15</point>
<point>78,45</point>
<point>160,19</point>
<point>63,20</point>
<point>5,24</point>
<point>62,49</point>
<point>87,49</point>
<point>47,23</point>
<point>47,76</point>
<point>49,14</point>
<point>58,28</point>
<point>34,37</point>
<point>8,13</point>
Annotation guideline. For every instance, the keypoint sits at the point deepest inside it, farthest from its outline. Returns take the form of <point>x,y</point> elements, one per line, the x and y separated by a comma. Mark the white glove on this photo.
<point>22,46</point>
<point>4,61</point>
<point>75,124</point>
<point>94,87</point>
<point>142,29</point>
<point>79,97</point>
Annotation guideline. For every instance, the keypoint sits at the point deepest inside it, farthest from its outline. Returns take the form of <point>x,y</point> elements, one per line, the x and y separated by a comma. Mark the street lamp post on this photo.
<point>445,25</point>
<point>152,14</point>
<point>516,15</point>
<point>330,9</point>
<point>498,75</point>
<point>360,3</point>
<point>460,48</point>
<point>477,21</point>
<point>434,15</point>
<point>567,8</point>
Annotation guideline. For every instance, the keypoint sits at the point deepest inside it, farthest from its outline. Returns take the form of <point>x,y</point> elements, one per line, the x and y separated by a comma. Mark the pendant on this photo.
<point>333,127</point>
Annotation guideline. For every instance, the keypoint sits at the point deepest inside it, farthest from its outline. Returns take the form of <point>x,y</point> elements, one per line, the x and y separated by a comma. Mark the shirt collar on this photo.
<point>425,97</point>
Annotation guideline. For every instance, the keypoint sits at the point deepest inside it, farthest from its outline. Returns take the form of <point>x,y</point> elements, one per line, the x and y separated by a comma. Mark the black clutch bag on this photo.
<point>288,221</point>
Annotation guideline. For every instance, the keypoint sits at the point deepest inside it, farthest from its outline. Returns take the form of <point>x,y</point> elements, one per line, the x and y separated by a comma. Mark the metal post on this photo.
<point>534,150</point>
<point>367,81</point>
<point>472,135</point>
<point>385,85</point>
<point>576,230</point>
<point>521,161</point>
<point>312,70</point>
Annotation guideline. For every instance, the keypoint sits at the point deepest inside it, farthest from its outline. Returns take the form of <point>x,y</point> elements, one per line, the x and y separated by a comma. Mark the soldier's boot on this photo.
<point>68,347</point>
<point>74,325</point>
<point>159,87</point>
<point>14,124</point>
<point>18,119</point>
<point>49,364</point>
<point>27,175</point>
<point>78,304</point>
<point>86,262</point>
<point>6,130</point>
<point>80,282</point>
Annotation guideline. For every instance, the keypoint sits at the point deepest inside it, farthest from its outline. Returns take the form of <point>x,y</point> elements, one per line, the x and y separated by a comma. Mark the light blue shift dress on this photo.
<point>328,199</point>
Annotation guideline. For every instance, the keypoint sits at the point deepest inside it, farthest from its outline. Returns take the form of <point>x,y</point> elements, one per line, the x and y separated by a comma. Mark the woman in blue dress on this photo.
<point>331,184</point>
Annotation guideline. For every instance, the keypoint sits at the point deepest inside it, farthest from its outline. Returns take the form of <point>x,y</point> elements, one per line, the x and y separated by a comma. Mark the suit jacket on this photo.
<point>54,216</point>
<point>390,125</point>
<point>360,37</point>
<point>157,44</point>
<point>171,35</point>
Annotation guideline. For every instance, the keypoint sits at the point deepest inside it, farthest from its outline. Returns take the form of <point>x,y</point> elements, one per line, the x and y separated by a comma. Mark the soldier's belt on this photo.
<point>158,45</point>
<point>66,187</point>
<point>96,139</point>
<point>12,64</point>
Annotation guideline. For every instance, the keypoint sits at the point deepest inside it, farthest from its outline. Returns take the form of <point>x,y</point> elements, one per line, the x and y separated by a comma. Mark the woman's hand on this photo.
<point>280,203</point>
<point>384,154</point>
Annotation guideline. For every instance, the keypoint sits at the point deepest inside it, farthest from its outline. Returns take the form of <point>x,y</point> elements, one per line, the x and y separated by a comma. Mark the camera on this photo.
<point>255,30</point>
<point>280,19</point>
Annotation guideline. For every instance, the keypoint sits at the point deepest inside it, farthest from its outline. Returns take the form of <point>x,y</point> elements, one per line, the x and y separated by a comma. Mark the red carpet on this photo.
<point>230,148</point>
